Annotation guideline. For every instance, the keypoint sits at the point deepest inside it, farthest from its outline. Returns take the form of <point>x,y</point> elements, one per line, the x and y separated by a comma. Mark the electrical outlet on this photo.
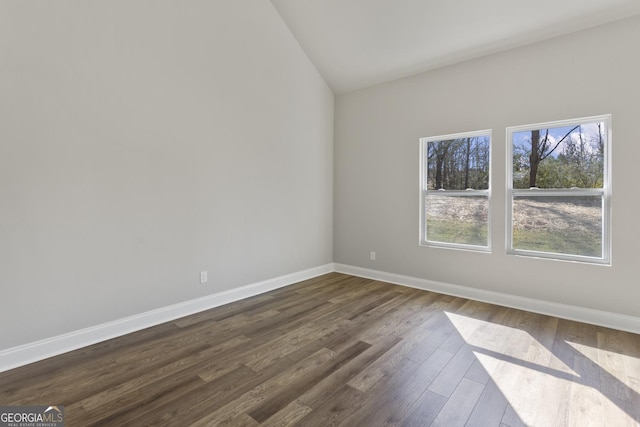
<point>372,256</point>
<point>204,277</point>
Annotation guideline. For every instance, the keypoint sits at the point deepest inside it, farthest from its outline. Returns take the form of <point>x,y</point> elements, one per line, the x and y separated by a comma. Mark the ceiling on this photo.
<point>360,43</point>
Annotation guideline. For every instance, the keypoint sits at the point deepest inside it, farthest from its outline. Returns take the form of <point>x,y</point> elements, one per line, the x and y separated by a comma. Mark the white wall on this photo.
<point>143,141</point>
<point>376,163</point>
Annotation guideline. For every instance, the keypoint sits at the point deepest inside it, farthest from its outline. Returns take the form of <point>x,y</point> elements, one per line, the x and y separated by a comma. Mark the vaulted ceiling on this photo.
<point>359,43</point>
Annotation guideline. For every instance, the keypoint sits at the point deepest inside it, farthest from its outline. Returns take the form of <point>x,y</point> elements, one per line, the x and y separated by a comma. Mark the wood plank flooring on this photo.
<point>339,350</point>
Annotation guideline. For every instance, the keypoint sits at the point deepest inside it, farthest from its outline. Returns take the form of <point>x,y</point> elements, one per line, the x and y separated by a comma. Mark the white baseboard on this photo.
<point>39,350</point>
<point>564,311</point>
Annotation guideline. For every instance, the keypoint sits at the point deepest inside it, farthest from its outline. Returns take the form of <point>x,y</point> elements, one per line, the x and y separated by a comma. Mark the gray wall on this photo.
<point>144,141</point>
<point>376,163</point>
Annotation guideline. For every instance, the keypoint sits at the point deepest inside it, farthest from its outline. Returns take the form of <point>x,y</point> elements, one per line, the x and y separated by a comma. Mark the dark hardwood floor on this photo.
<point>342,350</point>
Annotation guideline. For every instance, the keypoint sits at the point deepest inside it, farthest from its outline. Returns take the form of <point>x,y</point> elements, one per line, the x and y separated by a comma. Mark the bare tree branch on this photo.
<point>558,143</point>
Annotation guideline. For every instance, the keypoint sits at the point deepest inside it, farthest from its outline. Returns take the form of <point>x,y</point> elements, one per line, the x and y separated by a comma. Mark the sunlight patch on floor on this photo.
<point>539,385</point>
<point>503,340</point>
<point>613,363</point>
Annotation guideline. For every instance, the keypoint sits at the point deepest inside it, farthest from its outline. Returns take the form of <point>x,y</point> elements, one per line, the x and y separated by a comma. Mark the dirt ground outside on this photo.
<point>558,214</point>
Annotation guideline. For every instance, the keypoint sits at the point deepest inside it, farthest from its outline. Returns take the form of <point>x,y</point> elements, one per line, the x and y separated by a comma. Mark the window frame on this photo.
<point>604,192</point>
<point>423,240</point>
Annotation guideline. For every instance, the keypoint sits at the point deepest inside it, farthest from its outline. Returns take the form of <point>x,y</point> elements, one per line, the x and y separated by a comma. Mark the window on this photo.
<point>558,194</point>
<point>454,193</point>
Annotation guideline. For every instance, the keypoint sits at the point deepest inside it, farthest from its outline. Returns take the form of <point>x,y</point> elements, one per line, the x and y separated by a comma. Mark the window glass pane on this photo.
<point>458,164</point>
<point>559,157</point>
<point>561,225</point>
<point>457,219</point>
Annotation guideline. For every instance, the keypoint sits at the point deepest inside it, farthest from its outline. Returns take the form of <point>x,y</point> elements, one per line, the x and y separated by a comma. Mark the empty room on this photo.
<point>319,213</point>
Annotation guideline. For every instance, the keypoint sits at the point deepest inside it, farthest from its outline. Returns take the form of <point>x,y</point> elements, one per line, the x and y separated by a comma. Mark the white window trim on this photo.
<point>464,193</point>
<point>604,192</point>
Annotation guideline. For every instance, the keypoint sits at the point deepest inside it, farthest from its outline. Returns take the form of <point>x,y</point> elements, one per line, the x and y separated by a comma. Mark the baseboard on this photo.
<point>564,311</point>
<point>39,350</point>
